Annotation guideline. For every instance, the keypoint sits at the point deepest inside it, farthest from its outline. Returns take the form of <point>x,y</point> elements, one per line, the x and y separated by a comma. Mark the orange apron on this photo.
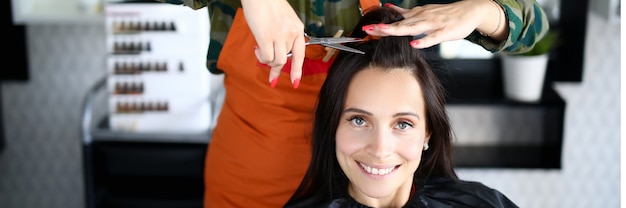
<point>260,147</point>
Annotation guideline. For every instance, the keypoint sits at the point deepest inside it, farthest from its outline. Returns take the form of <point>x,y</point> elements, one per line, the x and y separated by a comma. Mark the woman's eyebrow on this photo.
<point>407,114</point>
<point>356,110</point>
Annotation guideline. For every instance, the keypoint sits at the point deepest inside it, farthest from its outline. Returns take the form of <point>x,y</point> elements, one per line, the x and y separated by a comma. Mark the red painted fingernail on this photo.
<point>383,26</point>
<point>274,82</point>
<point>367,27</point>
<point>415,43</point>
<point>296,83</point>
<point>388,4</point>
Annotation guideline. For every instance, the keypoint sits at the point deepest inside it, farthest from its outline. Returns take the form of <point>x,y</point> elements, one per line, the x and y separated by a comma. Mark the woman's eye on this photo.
<point>357,121</point>
<point>404,125</point>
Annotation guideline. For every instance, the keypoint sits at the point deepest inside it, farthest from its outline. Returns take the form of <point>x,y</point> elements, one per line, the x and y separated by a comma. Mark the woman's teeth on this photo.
<point>376,171</point>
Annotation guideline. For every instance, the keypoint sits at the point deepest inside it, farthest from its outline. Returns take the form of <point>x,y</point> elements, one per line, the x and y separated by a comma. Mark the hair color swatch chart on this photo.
<point>157,79</point>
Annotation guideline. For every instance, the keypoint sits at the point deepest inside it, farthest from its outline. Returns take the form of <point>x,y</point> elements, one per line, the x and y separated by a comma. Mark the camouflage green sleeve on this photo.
<point>527,25</point>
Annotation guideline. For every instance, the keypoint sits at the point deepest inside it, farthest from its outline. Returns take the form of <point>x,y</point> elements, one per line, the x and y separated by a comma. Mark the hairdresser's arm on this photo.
<point>277,30</point>
<point>497,25</point>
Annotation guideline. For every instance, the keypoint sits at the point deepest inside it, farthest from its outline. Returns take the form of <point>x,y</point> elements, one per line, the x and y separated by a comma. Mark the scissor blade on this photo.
<point>344,48</point>
<point>333,40</point>
<point>344,40</point>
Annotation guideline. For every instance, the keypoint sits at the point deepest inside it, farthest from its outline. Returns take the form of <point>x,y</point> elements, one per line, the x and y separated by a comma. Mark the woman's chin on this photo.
<point>377,192</point>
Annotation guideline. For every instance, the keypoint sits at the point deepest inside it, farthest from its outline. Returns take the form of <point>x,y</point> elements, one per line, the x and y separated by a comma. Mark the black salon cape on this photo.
<point>443,193</point>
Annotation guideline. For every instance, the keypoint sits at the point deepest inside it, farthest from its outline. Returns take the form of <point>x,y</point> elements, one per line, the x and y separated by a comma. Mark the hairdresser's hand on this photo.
<point>445,22</point>
<point>277,30</point>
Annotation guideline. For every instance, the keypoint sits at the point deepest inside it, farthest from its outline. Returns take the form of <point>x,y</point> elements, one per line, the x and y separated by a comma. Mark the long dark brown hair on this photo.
<point>324,179</point>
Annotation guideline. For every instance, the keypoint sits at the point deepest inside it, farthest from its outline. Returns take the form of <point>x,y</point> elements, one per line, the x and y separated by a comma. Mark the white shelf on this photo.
<point>57,12</point>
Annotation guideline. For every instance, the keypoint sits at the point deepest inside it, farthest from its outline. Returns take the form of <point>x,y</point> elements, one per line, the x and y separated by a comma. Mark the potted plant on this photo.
<point>524,74</point>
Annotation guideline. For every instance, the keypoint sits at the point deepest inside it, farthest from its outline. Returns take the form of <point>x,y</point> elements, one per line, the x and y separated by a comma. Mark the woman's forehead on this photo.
<point>376,88</point>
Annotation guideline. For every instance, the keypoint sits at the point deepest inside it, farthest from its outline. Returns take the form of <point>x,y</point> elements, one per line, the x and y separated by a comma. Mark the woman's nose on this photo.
<point>381,143</point>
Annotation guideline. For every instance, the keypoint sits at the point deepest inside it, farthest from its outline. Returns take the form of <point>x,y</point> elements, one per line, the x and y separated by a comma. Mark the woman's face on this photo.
<point>380,136</point>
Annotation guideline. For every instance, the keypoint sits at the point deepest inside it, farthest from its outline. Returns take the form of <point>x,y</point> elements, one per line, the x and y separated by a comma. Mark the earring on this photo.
<point>425,146</point>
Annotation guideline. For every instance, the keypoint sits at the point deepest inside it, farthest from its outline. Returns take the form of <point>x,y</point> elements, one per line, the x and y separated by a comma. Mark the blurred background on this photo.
<point>109,104</point>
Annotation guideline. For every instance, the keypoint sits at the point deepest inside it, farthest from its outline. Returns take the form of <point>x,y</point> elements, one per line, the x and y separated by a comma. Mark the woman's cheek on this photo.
<point>413,148</point>
<point>349,142</point>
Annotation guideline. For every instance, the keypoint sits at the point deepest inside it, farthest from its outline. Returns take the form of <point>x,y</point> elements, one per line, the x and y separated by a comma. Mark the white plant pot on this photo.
<point>523,77</point>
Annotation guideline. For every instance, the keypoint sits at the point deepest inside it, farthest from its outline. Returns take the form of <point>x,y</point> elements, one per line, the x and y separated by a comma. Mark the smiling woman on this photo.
<point>381,134</point>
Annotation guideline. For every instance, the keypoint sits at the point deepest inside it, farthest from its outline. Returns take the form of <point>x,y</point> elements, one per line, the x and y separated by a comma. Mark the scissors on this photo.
<point>333,43</point>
